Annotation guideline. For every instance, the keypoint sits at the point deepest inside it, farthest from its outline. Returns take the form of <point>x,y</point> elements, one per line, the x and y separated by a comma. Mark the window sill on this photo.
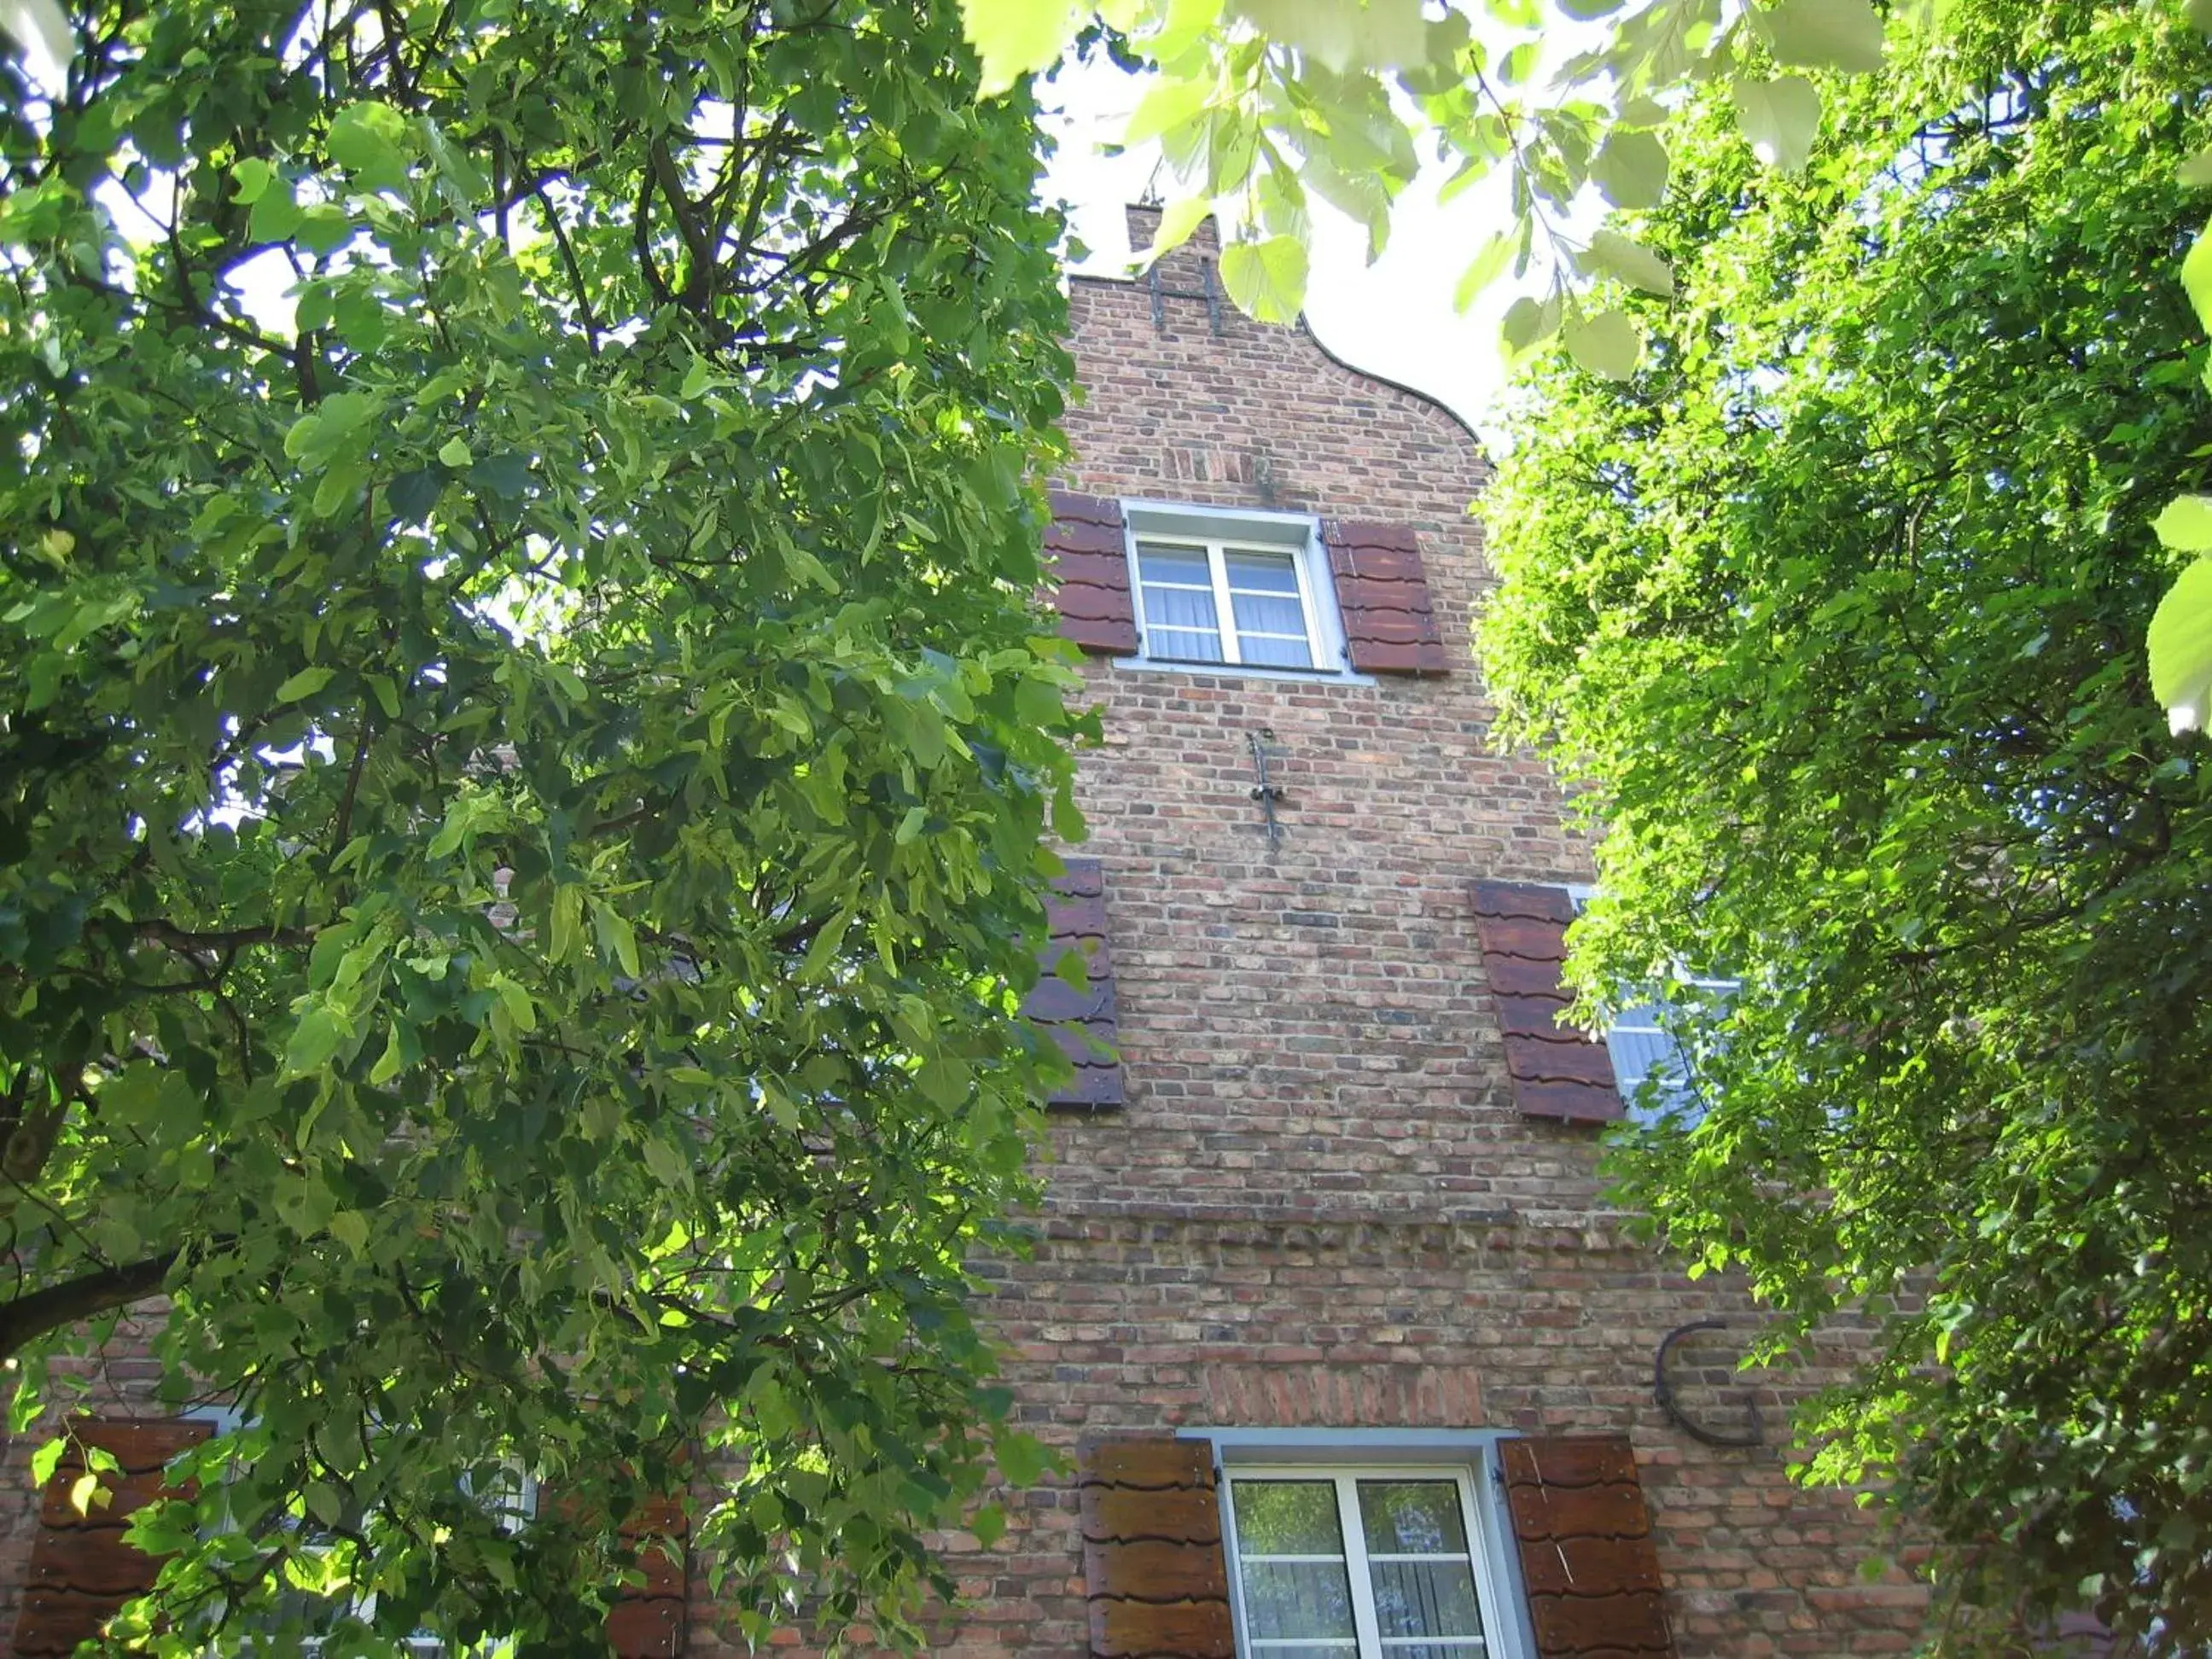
<point>1233,670</point>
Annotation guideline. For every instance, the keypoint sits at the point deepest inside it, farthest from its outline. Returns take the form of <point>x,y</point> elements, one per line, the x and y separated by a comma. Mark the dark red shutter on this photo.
<point>647,1620</point>
<point>1084,550</point>
<point>1557,1071</point>
<point>1382,595</point>
<point>1152,1552</point>
<point>1587,1558</point>
<point>81,1571</point>
<point>1081,1020</point>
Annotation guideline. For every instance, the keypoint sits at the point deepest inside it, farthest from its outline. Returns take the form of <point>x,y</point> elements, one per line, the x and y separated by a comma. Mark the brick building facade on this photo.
<point>1329,1202</point>
<point>1335,1210</point>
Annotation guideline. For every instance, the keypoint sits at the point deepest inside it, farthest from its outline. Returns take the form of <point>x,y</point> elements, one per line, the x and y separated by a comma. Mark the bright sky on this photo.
<point>1393,318</point>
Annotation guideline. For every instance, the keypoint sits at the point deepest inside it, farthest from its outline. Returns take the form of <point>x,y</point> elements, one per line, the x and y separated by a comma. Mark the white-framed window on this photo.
<point>1644,1042</point>
<point>1366,1561</point>
<point>1244,590</point>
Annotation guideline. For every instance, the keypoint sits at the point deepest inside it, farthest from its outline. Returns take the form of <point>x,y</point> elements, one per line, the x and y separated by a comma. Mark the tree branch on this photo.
<point>32,1317</point>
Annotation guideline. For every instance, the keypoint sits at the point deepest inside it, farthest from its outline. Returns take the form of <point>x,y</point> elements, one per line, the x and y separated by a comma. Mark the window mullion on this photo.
<point>1309,612</point>
<point>1364,1624</point>
<point>1216,565</point>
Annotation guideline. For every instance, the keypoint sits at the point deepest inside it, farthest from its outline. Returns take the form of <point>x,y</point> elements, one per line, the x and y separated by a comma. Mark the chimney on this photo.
<point>1185,283</point>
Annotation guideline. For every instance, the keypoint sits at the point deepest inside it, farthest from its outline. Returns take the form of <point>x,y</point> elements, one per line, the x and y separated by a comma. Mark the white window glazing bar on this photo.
<point>1364,1621</point>
<point>1224,605</point>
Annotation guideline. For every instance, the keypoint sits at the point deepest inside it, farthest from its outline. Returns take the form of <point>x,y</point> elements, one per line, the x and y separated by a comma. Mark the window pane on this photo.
<point>1412,1518</point>
<point>1262,573</point>
<point>1267,651</point>
<point>1271,629</point>
<point>1302,1599</point>
<point>1425,1598</point>
<point>1180,623</point>
<point>1287,1517</point>
<point>1416,1597</point>
<point>1471,1649</point>
<point>1183,565</point>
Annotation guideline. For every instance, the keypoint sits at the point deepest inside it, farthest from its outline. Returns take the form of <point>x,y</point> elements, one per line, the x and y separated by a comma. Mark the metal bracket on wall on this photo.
<point>1662,1390</point>
<point>1266,791</point>
<point>1206,291</point>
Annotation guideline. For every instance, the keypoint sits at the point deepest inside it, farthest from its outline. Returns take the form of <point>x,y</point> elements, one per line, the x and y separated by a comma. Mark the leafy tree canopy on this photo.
<point>524,743</point>
<point>1835,610</point>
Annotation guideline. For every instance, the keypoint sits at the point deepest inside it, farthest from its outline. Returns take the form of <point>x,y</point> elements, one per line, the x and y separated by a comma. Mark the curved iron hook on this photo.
<point>1663,1391</point>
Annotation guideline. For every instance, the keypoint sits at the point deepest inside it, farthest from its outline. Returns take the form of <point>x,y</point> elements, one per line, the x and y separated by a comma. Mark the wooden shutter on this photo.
<point>1084,550</point>
<point>648,1620</point>
<point>81,1571</point>
<point>1556,1070</point>
<point>1587,1558</point>
<point>1382,595</point>
<point>1152,1559</point>
<point>1081,1020</point>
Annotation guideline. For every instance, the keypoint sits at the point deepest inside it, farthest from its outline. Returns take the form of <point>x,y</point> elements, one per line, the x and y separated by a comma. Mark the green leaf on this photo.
<point>1169,103</point>
<point>46,1459</point>
<point>2180,649</point>
<point>2196,276</point>
<point>305,683</point>
<point>1616,255</point>
<point>324,229</point>
<point>1779,118</point>
<point>2184,524</point>
<point>373,140</point>
<point>1837,34</point>
<point>1015,38</point>
<point>251,175</point>
<point>1023,1458</point>
<point>1631,169</point>
<point>1177,220</point>
<point>315,1040</point>
<point>1267,280</point>
<point>1344,34</point>
<point>350,1228</point>
<point>1484,269</point>
<point>1606,344</point>
<point>454,452</point>
<point>1529,323</point>
<point>2197,171</point>
<point>616,938</point>
<point>276,215</point>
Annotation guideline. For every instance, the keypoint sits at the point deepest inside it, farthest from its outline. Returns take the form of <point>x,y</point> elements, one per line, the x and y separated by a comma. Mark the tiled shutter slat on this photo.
<point>1587,1557</point>
<point>82,1571</point>
<point>1555,1071</point>
<point>1382,595</point>
<point>1079,1020</point>
<point>1152,1559</point>
<point>1085,552</point>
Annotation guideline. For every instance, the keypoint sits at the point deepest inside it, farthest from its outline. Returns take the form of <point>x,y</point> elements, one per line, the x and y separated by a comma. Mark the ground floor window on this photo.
<point>1332,1563</point>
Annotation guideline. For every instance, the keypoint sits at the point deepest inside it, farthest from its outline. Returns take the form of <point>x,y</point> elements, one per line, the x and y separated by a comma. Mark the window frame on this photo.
<point>1681,1095</point>
<point>1468,1456</point>
<point>1217,532</point>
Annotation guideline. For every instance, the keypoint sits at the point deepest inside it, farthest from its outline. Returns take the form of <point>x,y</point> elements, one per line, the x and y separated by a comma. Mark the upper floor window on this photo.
<point>1245,590</point>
